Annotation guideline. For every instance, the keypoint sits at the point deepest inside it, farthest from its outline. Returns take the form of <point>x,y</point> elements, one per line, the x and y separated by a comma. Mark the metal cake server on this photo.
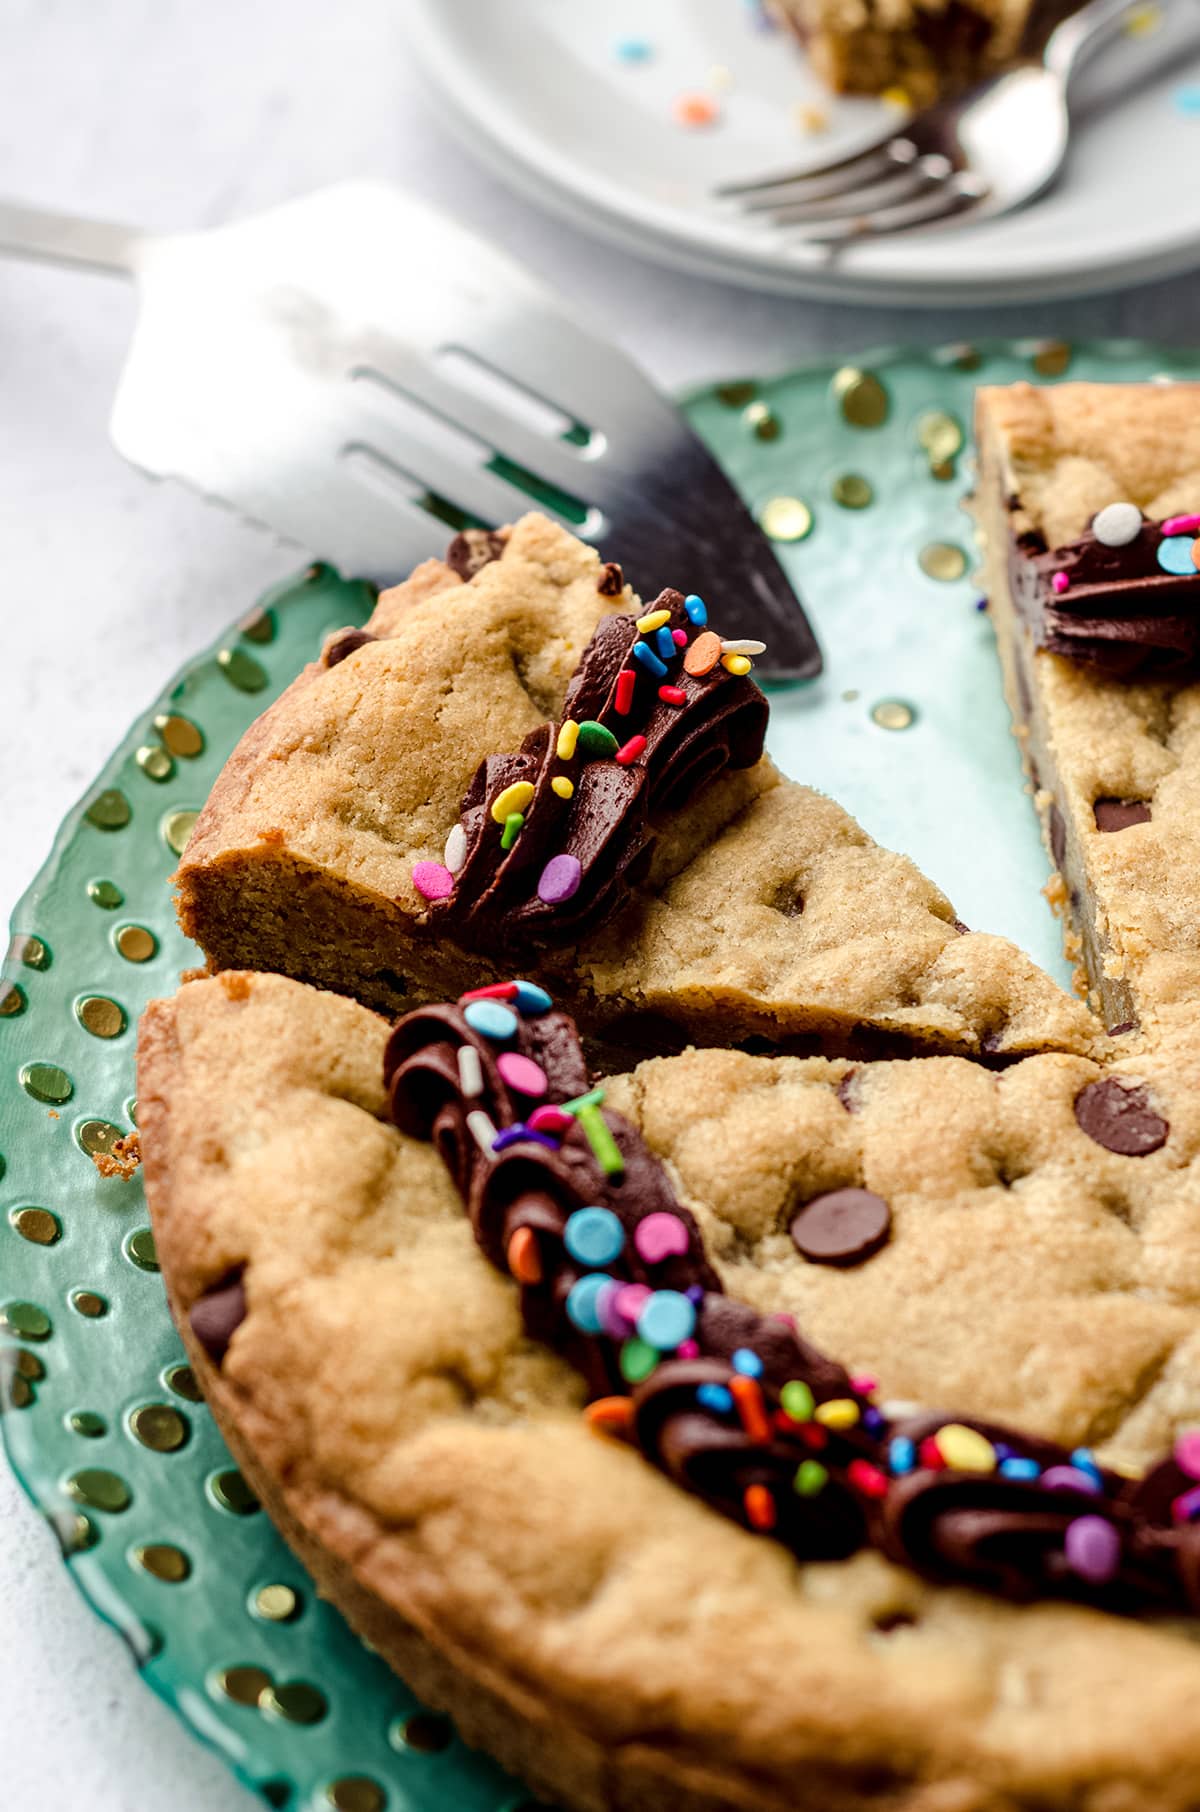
<point>357,372</point>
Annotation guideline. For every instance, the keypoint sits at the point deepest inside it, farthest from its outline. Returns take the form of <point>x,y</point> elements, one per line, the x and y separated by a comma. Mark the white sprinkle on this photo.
<point>470,1071</point>
<point>744,647</point>
<point>1117,524</point>
<point>482,1130</point>
<point>455,852</point>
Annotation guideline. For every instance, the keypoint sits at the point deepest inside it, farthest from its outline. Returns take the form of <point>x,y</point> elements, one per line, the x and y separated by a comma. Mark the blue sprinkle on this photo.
<point>643,652</point>
<point>512,1135</point>
<point>1085,1461</point>
<point>491,1019</point>
<point>981,603</point>
<point>714,1397</point>
<point>748,1363</point>
<point>902,1455</point>
<point>872,1420</point>
<point>665,642</point>
<point>1187,100</point>
<point>583,1302</point>
<point>695,1294</point>
<point>1175,555</point>
<point>696,609</point>
<point>532,1000</point>
<point>594,1236</point>
<point>1003,1451</point>
<point>666,1319</point>
<point>1020,1469</point>
<point>633,50</point>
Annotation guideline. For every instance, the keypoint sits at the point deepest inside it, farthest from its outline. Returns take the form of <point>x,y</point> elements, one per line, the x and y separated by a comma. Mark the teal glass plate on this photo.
<point>906,728</point>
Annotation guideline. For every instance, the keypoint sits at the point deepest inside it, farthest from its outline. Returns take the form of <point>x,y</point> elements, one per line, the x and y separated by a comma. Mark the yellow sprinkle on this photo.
<point>655,620</point>
<point>568,736</point>
<point>736,663</point>
<point>897,97</point>
<point>965,1449</point>
<point>514,798</point>
<point>810,119</point>
<point>839,1412</point>
<point>719,77</point>
<point>562,786</point>
<point>1142,21</point>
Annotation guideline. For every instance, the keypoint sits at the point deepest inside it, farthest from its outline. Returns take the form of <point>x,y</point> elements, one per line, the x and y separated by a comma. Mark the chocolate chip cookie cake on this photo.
<point>813,1427</point>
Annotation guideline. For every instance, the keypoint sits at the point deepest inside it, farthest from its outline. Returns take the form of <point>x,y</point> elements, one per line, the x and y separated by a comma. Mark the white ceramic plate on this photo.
<point>537,85</point>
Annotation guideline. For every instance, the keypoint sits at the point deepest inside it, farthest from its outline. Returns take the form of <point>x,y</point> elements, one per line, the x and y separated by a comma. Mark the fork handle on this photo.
<point>1086,31</point>
<point>98,245</point>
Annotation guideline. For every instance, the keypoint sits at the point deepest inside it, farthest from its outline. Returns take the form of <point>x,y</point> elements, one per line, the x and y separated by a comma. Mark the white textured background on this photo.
<point>176,113</point>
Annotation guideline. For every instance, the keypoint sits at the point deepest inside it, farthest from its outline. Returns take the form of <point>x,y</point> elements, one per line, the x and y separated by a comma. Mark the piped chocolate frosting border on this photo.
<point>552,837</point>
<point>735,1406</point>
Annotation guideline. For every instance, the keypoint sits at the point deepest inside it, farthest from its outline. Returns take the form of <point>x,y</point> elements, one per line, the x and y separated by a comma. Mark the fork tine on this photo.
<point>960,195</point>
<point>836,182</point>
<point>888,192</point>
<point>755,186</point>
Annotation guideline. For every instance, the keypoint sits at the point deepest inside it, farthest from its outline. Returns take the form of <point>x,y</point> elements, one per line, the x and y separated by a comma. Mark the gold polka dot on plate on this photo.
<point>141,1250</point>
<point>29,1365</point>
<point>785,518</point>
<point>1051,358</point>
<point>88,1304</point>
<point>87,1423</point>
<point>244,1685</point>
<point>26,1320</point>
<point>32,951</point>
<point>181,736</point>
<point>155,761</point>
<point>231,1492</point>
<point>135,943</point>
<point>942,560</point>
<point>105,894</point>
<point>242,670</point>
<point>37,1225</point>
<point>355,1793</point>
<point>940,435</point>
<point>96,1136</point>
<point>893,714</point>
<point>20,1392</point>
<point>159,1427</point>
<point>109,810</point>
<point>425,1731</point>
<point>762,421</point>
<point>100,1016</point>
<point>177,828</point>
<point>12,999</point>
<point>100,1490</point>
<point>259,625</point>
<point>852,491</point>
<point>276,1603</point>
<point>163,1561</point>
<point>295,1701</point>
<point>46,1082</point>
<point>736,395</point>
<point>861,397</point>
<point>182,1380</point>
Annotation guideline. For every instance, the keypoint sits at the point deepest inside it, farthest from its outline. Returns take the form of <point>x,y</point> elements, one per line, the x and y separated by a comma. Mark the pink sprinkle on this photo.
<point>660,1236</point>
<point>630,1300</point>
<point>687,1349</point>
<point>616,1325</point>
<point>432,880</point>
<point>679,637</point>
<point>497,991</point>
<point>630,752</point>
<point>864,1384</point>
<point>626,681</point>
<point>560,880</point>
<point>1186,1507</point>
<point>1093,1549</point>
<point>1187,1453</point>
<point>552,1120</point>
<point>672,695</point>
<point>781,1315</point>
<point>1060,582</point>
<point>522,1074</point>
<point>1068,1478</point>
<point>1181,525</point>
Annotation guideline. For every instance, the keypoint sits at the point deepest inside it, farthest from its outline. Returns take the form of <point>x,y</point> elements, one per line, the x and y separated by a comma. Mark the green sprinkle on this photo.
<point>595,742</point>
<point>638,1359</point>
<point>797,1400</point>
<point>604,1147</point>
<point>513,826</point>
<point>593,1099</point>
<point>811,1478</point>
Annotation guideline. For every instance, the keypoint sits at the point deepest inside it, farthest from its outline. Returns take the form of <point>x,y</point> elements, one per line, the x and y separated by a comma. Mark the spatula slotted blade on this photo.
<point>362,376</point>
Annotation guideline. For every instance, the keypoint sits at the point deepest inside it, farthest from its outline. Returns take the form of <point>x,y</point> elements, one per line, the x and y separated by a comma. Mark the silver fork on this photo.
<point>364,376</point>
<point>967,158</point>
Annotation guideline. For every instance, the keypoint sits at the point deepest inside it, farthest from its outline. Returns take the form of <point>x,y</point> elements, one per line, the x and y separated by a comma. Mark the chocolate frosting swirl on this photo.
<point>711,722</point>
<point>743,1412</point>
<point>1120,613</point>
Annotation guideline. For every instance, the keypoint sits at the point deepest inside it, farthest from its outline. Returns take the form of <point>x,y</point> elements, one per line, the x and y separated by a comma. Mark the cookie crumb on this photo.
<point>236,984</point>
<point>123,1160</point>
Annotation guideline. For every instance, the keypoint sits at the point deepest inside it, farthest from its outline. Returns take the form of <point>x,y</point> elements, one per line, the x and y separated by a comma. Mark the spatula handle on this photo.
<point>66,239</point>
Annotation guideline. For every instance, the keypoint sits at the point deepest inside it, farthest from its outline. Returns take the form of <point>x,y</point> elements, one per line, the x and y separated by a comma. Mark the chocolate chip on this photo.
<point>849,1091</point>
<point>611,582</point>
<point>1126,1025</point>
<point>217,1316</point>
<point>1118,1115</point>
<point>843,1227</point>
<point>1119,814</point>
<point>471,551</point>
<point>344,644</point>
<point>961,929</point>
<point>1058,836</point>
